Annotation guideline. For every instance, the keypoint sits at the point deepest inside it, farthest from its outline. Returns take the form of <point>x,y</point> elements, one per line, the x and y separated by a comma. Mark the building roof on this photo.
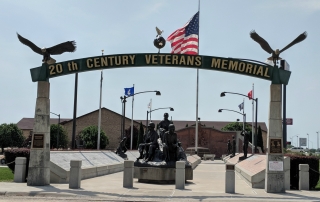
<point>27,123</point>
<point>215,124</point>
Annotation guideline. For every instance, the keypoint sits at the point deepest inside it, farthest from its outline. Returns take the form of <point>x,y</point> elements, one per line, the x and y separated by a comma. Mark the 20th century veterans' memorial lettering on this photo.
<point>173,60</point>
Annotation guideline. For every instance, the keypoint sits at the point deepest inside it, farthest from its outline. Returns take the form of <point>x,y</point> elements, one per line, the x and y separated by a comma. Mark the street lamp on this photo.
<point>256,124</point>
<point>58,128</point>
<point>171,109</point>
<point>123,101</point>
<point>298,145</point>
<point>243,116</point>
<point>308,141</point>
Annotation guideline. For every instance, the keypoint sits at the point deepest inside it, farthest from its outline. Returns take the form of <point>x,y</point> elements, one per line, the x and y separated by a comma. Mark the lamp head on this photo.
<point>171,109</point>
<point>220,110</point>
<point>222,94</point>
<point>158,93</point>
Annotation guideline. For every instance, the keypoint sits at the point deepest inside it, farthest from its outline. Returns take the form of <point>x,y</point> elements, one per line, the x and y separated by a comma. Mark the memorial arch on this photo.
<point>39,166</point>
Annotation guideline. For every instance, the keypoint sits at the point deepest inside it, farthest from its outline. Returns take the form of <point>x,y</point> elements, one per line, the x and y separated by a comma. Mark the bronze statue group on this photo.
<point>231,148</point>
<point>164,146</point>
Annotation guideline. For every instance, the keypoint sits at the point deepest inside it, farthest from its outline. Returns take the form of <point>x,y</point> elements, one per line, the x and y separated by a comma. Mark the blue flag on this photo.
<point>241,106</point>
<point>129,91</point>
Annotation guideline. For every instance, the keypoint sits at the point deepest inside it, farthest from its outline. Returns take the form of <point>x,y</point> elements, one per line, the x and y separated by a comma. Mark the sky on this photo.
<point>120,27</point>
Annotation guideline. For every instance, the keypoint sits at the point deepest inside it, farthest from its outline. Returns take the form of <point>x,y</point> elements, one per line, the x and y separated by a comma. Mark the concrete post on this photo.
<point>39,163</point>
<point>180,174</point>
<point>274,179</point>
<point>230,179</point>
<point>287,168</point>
<point>303,177</point>
<point>128,174</point>
<point>75,174</point>
<point>20,169</point>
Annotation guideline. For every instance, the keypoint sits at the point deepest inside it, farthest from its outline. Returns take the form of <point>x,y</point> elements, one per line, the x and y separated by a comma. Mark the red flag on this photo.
<point>250,95</point>
<point>186,39</point>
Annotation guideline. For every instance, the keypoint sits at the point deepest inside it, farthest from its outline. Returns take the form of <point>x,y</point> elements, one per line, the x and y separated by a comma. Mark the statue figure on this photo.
<point>150,144</point>
<point>245,135</point>
<point>170,144</point>
<point>233,146</point>
<point>122,147</point>
<point>163,126</point>
<point>229,147</point>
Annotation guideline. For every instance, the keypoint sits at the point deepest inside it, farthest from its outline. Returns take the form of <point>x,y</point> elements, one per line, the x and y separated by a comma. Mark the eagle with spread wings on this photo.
<point>275,53</point>
<point>69,46</point>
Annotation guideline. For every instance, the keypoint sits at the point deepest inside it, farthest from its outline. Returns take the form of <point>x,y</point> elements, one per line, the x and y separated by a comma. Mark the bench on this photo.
<point>208,156</point>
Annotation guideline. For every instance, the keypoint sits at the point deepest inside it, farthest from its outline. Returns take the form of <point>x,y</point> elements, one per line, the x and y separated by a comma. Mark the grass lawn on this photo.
<point>6,174</point>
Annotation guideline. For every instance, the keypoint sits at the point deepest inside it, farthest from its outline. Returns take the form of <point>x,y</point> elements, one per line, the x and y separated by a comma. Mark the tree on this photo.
<point>128,135</point>
<point>260,139</point>
<point>236,126</point>
<point>10,136</point>
<point>90,136</point>
<point>140,135</point>
<point>63,136</point>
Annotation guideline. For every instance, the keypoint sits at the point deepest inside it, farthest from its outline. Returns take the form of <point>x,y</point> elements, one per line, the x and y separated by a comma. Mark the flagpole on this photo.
<point>197,97</point>
<point>253,147</point>
<point>99,119</point>
<point>132,122</point>
<point>150,109</point>
<point>243,117</point>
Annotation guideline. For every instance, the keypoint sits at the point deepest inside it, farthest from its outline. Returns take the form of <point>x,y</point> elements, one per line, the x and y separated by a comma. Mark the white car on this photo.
<point>297,149</point>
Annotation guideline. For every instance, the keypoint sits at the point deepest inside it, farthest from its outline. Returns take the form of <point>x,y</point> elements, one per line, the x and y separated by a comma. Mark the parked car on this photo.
<point>296,149</point>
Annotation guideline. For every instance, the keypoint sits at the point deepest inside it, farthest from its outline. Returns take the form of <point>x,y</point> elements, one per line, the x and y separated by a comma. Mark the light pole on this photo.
<point>308,141</point>
<point>317,140</point>
<point>123,100</point>
<point>171,109</point>
<point>243,116</point>
<point>298,145</point>
<point>255,130</point>
<point>311,144</point>
<point>58,129</point>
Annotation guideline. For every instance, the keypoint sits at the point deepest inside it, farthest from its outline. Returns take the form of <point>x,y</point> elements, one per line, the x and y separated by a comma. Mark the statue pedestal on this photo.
<point>159,174</point>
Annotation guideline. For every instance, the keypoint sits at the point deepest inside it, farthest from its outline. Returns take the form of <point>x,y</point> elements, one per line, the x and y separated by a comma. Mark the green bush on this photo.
<point>63,137</point>
<point>11,154</point>
<point>90,136</point>
<point>313,163</point>
<point>10,136</point>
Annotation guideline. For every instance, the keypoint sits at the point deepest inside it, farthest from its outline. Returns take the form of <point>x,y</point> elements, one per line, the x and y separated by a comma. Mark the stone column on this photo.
<point>39,163</point>
<point>230,179</point>
<point>75,174</point>
<point>20,169</point>
<point>180,174</point>
<point>128,174</point>
<point>303,177</point>
<point>274,179</point>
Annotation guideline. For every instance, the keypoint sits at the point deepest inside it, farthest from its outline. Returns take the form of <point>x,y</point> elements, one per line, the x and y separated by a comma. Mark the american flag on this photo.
<point>185,40</point>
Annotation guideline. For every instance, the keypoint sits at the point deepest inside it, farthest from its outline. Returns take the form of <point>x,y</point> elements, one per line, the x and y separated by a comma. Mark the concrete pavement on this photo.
<point>208,185</point>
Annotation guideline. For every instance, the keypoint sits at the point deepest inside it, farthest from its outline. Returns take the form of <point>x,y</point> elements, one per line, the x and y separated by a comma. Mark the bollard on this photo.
<point>230,179</point>
<point>180,174</point>
<point>128,174</point>
<point>75,174</point>
<point>303,177</point>
<point>20,169</point>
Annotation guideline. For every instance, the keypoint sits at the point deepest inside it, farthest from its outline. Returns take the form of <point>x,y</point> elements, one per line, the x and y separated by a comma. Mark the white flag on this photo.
<point>150,104</point>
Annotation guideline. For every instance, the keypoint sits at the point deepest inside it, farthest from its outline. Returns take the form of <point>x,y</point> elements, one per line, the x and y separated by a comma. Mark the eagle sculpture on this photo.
<point>275,53</point>
<point>69,46</point>
<point>159,42</point>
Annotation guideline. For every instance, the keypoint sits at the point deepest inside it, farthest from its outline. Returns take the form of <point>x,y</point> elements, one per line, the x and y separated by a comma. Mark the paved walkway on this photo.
<point>208,185</point>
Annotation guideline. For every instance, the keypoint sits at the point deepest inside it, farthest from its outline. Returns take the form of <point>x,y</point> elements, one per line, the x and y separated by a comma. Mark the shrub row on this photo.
<point>313,163</point>
<point>12,154</point>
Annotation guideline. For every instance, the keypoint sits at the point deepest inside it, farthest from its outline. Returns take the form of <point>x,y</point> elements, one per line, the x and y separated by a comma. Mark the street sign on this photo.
<point>289,121</point>
<point>303,142</point>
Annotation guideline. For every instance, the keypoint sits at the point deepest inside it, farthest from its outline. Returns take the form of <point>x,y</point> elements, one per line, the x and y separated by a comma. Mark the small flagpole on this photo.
<point>197,97</point>
<point>253,148</point>
<point>243,117</point>
<point>132,123</point>
<point>99,119</point>
<point>150,110</point>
